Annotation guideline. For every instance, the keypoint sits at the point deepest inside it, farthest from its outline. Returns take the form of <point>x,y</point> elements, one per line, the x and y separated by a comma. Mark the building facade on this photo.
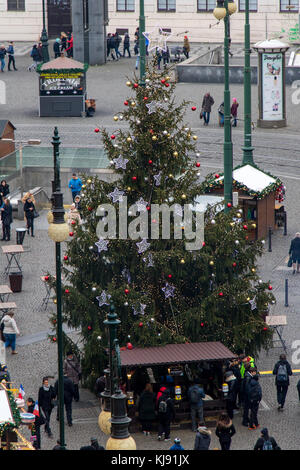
<point>21,20</point>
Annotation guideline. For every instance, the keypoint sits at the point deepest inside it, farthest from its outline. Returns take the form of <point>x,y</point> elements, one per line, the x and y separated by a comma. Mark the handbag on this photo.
<point>201,114</point>
<point>290,262</point>
<point>35,214</point>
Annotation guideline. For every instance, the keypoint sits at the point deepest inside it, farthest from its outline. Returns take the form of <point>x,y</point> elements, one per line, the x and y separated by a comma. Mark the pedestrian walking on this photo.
<point>202,439</point>
<point>2,57</point>
<point>166,414</point>
<point>36,57</point>
<point>126,45</point>
<point>77,202</point>
<point>295,253</point>
<point>234,366</point>
<point>266,442</point>
<point>166,56</point>
<point>56,48</point>
<point>29,211</point>
<point>70,44</point>
<point>221,114</point>
<point>195,396</point>
<point>35,428</point>
<point>117,42</point>
<point>234,110</point>
<point>137,61</point>
<point>224,431</point>
<point>11,56</point>
<point>254,397</point>
<point>10,331</point>
<point>282,370</point>
<point>73,215</point>
<point>244,394</point>
<point>177,444</point>
<point>146,409</point>
<point>7,219</point>
<point>46,397</point>
<point>72,370</point>
<point>4,190</point>
<point>186,47</point>
<point>75,184</point>
<point>232,392</point>
<point>207,103</point>
<point>68,398</point>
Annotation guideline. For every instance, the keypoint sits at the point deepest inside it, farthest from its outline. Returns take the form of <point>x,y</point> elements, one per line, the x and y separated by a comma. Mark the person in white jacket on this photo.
<point>10,331</point>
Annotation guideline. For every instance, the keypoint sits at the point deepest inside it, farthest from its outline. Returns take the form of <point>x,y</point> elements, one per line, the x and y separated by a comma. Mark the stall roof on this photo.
<point>62,63</point>
<point>175,354</point>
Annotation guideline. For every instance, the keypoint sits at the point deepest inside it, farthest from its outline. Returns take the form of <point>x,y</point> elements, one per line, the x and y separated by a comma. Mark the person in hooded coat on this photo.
<point>165,418</point>
<point>254,394</point>
<point>146,409</point>
<point>202,439</point>
<point>224,431</point>
<point>232,392</point>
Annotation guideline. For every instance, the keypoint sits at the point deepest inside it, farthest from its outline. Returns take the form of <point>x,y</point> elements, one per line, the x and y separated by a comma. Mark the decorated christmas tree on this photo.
<point>164,290</point>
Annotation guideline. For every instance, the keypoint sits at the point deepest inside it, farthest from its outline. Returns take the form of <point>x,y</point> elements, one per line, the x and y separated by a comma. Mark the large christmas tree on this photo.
<point>162,291</point>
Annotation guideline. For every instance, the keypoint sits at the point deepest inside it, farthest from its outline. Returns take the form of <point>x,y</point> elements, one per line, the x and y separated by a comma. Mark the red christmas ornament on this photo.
<point>141,324</point>
<point>203,243</point>
<point>151,131</point>
<point>270,287</point>
<point>163,81</point>
<point>202,324</point>
<point>150,162</point>
<point>169,276</point>
<point>136,85</point>
<point>97,130</point>
<point>112,136</point>
<point>126,291</point>
<point>217,175</point>
<point>129,346</point>
<point>73,222</point>
<point>89,328</point>
<point>90,208</point>
<point>67,291</point>
<point>229,204</point>
<point>265,328</point>
<point>197,164</point>
<point>194,108</point>
<point>54,339</point>
<point>65,257</point>
<point>71,234</point>
<point>145,98</point>
<point>148,208</point>
<point>46,278</point>
<point>221,294</point>
<point>167,84</point>
<point>134,178</point>
<point>234,264</point>
<point>126,103</point>
<point>245,227</point>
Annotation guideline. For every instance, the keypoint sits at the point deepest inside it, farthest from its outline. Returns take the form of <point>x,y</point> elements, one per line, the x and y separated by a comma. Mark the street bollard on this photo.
<point>285,224</point>
<point>286,292</point>
<point>270,239</point>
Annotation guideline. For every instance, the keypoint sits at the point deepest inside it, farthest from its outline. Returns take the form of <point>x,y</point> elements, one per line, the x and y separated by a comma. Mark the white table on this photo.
<point>13,254</point>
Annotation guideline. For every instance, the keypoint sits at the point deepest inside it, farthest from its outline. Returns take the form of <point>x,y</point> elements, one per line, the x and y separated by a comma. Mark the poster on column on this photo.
<point>272,93</point>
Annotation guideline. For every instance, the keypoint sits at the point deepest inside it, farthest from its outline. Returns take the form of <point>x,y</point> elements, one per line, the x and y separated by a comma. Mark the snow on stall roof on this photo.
<point>251,177</point>
<point>205,200</point>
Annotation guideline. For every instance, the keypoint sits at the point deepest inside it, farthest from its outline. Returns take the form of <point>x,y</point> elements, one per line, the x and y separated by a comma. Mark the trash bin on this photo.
<point>15,280</point>
<point>20,235</point>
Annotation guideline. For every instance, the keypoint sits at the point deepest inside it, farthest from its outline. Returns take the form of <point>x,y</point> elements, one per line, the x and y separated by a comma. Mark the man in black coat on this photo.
<point>282,371</point>
<point>254,395</point>
<point>126,45</point>
<point>244,394</point>
<point>6,217</point>
<point>68,398</point>
<point>45,401</point>
<point>232,392</point>
<point>166,414</point>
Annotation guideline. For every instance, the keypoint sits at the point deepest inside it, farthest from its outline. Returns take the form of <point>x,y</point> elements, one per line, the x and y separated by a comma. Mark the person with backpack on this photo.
<point>195,396</point>
<point>266,442</point>
<point>254,395</point>
<point>166,414</point>
<point>231,380</point>
<point>11,56</point>
<point>282,371</point>
<point>224,431</point>
<point>36,57</point>
<point>126,45</point>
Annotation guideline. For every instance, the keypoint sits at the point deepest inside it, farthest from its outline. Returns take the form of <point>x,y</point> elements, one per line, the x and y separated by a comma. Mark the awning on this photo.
<point>175,354</point>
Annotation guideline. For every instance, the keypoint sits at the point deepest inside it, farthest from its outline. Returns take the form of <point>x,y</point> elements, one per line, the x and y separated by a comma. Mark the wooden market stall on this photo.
<point>260,196</point>
<point>176,366</point>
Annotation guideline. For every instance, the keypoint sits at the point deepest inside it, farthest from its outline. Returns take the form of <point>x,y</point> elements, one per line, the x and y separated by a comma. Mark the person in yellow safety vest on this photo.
<point>245,360</point>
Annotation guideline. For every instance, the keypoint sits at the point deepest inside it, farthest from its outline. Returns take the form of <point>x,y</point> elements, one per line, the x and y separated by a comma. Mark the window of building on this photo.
<point>166,5</point>
<point>206,5</point>
<point>252,5</point>
<point>125,5</point>
<point>289,5</point>
<point>15,5</point>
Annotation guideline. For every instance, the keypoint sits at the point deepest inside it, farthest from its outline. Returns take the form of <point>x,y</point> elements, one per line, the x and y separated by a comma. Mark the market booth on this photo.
<point>260,196</point>
<point>62,86</point>
<point>176,366</point>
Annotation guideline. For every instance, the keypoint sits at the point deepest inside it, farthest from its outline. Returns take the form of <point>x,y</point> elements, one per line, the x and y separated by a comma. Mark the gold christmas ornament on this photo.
<point>83,186</point>
<point>128,188</point>
<point>116,118</point>
<point>195,137</point>
<point>170,175</point>
<point>253,270</point>
<point>129,139</point>
<point>89,181</point>
<point>132,103</point>
<point>54,301</point>
<point>175,154</point>
<point>182,261</point>
<point>211,263</point>
<point>183,196</point>
<point>167,78</point>
<point>253,225</point>
<point>128,83</point>
<point>154,137</point>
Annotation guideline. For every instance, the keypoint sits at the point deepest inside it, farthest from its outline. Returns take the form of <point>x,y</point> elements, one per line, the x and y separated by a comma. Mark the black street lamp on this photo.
<point>58,231</point>
<point>44,37</point>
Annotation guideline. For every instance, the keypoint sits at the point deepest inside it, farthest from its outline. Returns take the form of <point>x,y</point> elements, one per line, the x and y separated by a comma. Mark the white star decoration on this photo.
<point>149,260</point>
<point>103,298</point>
<point>116,195</point>
<point>253,304</point>
<point>141,311</point>
<point>142,246</point>
<point>168,290</point>
<point>101,244</point>
<point>157,39</point>
<point>155,106</point>
<point>141,205</point>
<point>157,179</point>
<point>120,162</point>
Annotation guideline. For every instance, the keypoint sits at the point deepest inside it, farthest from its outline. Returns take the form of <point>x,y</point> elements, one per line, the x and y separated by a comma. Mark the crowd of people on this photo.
<point>206,108</point>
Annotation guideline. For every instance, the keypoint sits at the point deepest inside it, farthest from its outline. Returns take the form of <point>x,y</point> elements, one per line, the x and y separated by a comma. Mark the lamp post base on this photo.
<point>271,124</point>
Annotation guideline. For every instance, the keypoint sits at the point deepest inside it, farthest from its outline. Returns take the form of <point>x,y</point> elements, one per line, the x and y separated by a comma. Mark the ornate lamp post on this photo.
<point>105,415</point>
<point>142,43</point>
<point>120,438</point>
<point>58,231</point>
<point>247,149</point>
<point>44,37</point>
<point>223,9</point>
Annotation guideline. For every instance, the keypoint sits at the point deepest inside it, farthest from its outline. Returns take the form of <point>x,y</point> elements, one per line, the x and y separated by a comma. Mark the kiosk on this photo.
<point>62,88</point>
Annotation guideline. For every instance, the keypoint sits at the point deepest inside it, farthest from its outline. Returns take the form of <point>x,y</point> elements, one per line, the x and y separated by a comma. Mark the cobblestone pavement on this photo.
<point>276,151</point>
